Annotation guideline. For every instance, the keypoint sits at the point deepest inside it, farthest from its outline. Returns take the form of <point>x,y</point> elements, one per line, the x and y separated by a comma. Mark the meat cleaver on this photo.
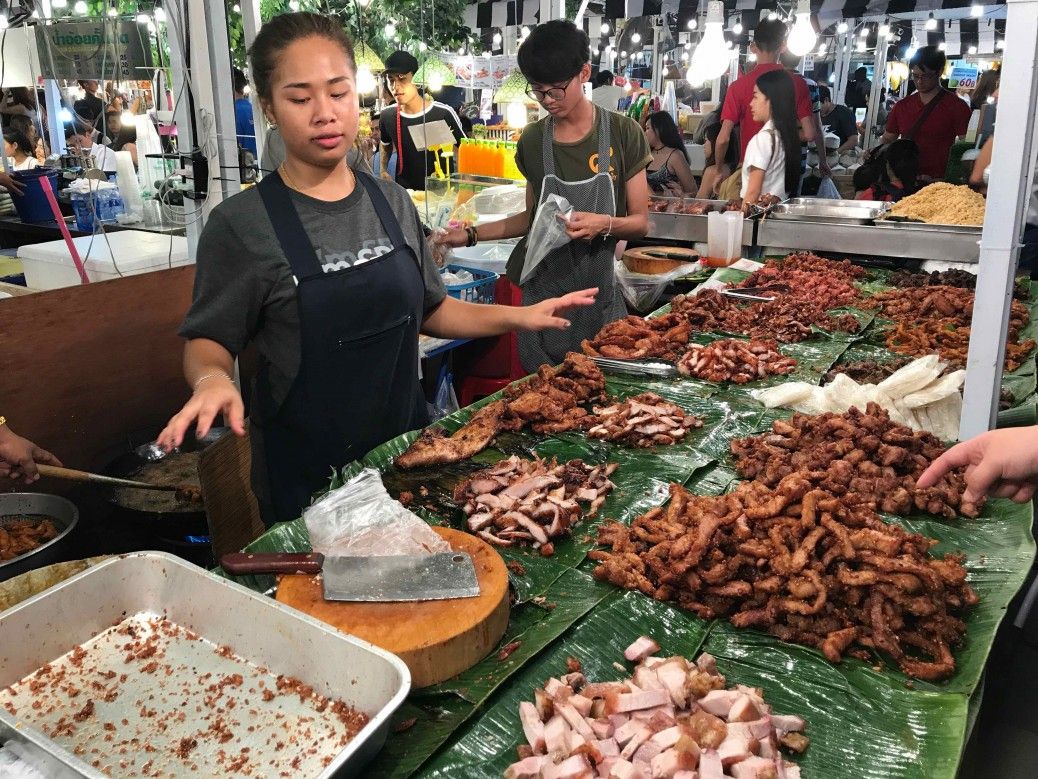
<point>379,579</point>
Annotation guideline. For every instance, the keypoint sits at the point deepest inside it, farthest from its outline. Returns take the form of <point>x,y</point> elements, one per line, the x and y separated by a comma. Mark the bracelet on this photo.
<point>609,230</point>
<point>3,421</point>
<point>473,236</point>
<point>211,376</point>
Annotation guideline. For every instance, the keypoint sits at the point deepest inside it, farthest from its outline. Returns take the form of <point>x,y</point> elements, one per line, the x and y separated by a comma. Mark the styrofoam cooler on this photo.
<point>49,265</point>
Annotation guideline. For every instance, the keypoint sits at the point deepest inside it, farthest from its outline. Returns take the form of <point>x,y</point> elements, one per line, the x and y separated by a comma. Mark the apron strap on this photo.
<point>548,146</point>
<point>288,227</point>
<point>383,209</point>
<point>603,140</point>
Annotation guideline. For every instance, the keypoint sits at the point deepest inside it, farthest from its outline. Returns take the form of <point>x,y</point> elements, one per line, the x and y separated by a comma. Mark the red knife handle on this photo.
<point>241,563</point>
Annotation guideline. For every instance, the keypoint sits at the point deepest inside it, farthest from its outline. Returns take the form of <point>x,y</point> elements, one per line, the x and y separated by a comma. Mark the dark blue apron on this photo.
<point>357,384</point>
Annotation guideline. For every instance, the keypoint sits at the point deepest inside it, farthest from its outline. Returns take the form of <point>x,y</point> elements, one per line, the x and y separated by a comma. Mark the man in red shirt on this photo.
<point>769,41</point>
<point>947,120</point>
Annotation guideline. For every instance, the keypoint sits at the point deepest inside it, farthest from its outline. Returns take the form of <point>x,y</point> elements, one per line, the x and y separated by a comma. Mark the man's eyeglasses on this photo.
<point>918,73</point>
<point>553,93</point>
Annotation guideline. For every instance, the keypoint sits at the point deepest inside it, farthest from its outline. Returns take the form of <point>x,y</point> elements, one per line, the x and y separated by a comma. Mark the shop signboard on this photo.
<point>963,74</point>
<point>94,49</point>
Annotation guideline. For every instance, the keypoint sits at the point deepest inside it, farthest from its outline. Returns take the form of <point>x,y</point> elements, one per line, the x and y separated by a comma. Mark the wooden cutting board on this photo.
<point>639,261</point>
<point>437,639</point>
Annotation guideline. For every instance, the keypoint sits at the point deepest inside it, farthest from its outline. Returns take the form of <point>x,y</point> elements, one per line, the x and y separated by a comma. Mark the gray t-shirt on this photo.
<point>244,287</point>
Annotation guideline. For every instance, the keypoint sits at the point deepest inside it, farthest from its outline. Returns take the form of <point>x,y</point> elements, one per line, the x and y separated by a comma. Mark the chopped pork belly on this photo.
<point>641,649</point>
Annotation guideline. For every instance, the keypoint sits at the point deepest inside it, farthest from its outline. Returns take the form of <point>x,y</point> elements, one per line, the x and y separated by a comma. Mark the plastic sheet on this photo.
<point>642,290</point>
<point>547,233</point>
<point>360,519</point>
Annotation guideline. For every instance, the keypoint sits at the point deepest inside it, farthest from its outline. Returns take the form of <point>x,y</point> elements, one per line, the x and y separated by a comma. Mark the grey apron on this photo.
<point>578,264</point>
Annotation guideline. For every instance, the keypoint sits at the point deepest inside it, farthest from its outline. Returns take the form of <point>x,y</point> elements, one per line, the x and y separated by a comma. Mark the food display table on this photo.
<point>865,719</point>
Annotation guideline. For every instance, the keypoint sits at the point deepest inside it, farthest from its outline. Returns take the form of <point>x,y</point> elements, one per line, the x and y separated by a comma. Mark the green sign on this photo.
<point>94,49</point>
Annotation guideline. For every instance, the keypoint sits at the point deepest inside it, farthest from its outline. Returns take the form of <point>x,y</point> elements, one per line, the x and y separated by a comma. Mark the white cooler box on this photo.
<point>49,265</point>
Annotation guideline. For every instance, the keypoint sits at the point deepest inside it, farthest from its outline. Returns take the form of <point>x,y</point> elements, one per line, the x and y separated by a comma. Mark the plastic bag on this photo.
<point>360,519</point>
<point>547,233</point>
<point>506,199</point>
<point>446,401</point>
<point>827,189</point>
<point>642,290</point>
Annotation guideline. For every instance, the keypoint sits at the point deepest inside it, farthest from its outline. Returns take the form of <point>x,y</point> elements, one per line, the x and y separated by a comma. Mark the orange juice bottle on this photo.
<point>484,158</point>
<point>499,159</point>
<point>463,148</point>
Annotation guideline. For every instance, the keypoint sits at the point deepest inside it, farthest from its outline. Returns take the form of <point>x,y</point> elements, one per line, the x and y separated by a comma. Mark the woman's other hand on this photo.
<point>215,395</point>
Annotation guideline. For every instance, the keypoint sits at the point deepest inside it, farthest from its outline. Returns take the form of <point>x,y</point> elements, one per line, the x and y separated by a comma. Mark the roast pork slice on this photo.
<point>530,768</point>
<point>641,648</point>
<point>533,728</point>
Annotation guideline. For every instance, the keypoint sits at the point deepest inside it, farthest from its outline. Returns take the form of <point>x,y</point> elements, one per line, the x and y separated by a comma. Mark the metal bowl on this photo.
<point>64,514</point>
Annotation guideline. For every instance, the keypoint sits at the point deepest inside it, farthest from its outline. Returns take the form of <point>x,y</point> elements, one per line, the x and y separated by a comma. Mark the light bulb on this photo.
<point>236,8</point>
<point>293,5</point>
<point>365,80</point>
<point>389,29</point>
<point>59,4</point>
<point>3,21</point>
<point>151,26</point>
<point>751,57</point>
<point>623,53</point>
<point>832,78</point>
<point>884,30</point>
<point>684,56</point>
<point>822,50</point>
<point>860,46</point>
<point>636,38</point>
<point>931,23</point>
<point>160,14</point>
<point>841,28</point>
<point>64,114</point>
<point>1000,44</point>
<point>435,82</point>
<point>688,47</point>
<point>912,49</point>
<point>525,32</point>
<point>942,46</point>
<point>515,115</point>
<point>772,16</point>
<point>127,117</point>
<point>364,3</point>
<point>728,44</point>
<point>604,29</point>
<point>112,12</point>
<point>971,50</point>
<point>710,58</point>
<point>737,28</point>
<point>976,11</point>
<point>142,19</point>
<point>802,37</point>
<point>246,90</point>
<point>497,39</point>
<point>692,24</point>
<point>864,32</point>
<point>80,7</point>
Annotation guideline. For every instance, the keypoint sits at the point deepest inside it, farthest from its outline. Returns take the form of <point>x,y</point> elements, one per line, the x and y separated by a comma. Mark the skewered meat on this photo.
<point>23,534</point>
<point>731,359</point>
<point>644,420</point>
<point>654,724</point>
<point>804,564</point>
<point>532,501</point>
<point>549,402</point>
<point>862,457</point>
<point>635,338</point>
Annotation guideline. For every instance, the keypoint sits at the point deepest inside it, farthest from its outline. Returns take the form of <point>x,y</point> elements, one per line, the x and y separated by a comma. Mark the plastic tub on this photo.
<point>33,206</point>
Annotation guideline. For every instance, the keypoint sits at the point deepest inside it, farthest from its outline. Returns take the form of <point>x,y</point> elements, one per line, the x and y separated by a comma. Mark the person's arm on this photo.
<point>721,149</point>
<point>819,133</point>
<point>208,368</point>
<point>981,163</point>
<point>808,132</point>
<point>587,226</point>
<point>19,456</point>
<point>6,180</point>
<point>679,167</point>
<point>509,227</point>
<point>387,149</point>
<point>754,185</point>
<point>132,148</point>
<point>850,143</point>
<point>458,319</point>
<point>1000,463</point>
<point>708,184</point>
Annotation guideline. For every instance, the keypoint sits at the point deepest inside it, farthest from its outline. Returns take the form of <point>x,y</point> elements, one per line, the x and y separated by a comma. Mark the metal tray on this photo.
<point>825,211</point>
<point>64,514</point>
<point>261,632</point>
<point>882,205</point>
<point>896,224</point>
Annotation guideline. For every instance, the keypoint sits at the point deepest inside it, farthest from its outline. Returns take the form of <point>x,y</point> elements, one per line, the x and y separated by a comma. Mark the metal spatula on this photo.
<point>386,578</point>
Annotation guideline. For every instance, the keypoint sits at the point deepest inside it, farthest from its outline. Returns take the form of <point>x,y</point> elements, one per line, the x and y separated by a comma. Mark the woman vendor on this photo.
<point>594,158</point>
<point>328,272</point>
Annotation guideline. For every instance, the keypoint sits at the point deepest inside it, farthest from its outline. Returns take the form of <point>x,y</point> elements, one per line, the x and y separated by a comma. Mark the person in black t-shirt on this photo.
<point>839,120</point>
<point>411,109</point>
<point>89,109</point>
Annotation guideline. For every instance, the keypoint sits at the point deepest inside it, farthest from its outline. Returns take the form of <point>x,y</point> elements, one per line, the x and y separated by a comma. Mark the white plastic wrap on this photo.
<point>642,290</point>
<point>503,199</point>
<point>547,233</point>
<point>827,189</point>
<point>360,519</point>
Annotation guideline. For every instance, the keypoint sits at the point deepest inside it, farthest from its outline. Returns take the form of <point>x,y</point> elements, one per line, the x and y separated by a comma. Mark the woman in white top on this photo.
<point>19,151</point>
<point>772,162</point>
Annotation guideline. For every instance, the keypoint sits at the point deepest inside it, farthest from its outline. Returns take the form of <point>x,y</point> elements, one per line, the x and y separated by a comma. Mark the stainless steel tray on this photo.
<point>894,224</point>
<point>268,638</point>
<point>825,211</point>
<point>882,205</point>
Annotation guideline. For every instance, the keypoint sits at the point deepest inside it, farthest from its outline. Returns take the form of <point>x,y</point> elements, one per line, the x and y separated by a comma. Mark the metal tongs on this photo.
<point>756,293</point>
<point>636,367</point>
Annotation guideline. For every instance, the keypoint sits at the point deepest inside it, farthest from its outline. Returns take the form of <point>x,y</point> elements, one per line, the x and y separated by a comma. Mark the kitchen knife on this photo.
<point>383,578</point>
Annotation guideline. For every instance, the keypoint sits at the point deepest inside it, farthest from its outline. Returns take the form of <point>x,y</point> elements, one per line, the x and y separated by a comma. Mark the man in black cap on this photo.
<point>411,109</point>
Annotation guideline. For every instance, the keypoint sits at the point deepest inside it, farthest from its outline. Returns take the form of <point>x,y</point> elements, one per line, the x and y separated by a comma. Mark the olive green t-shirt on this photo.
<point>628,154</point>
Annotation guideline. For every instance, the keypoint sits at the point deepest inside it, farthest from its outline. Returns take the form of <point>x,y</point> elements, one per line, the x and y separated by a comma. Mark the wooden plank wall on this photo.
<point>86,370</point>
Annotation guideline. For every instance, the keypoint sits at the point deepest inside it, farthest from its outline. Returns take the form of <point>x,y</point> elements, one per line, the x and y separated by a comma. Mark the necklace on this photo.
<point>288,179</point>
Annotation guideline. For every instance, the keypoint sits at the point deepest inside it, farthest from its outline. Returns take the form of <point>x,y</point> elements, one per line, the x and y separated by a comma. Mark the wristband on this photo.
<point>211,376</point>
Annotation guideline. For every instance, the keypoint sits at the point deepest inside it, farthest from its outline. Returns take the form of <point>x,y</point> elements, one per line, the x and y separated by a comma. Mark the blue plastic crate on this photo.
<point>479,290</point>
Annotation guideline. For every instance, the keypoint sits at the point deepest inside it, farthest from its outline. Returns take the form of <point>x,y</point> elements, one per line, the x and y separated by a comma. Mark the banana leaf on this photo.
<point>1021,415</point>
<point>486,747</point>
<point>573,594</point>
<point>862,724</point>
<point>409,745</point>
